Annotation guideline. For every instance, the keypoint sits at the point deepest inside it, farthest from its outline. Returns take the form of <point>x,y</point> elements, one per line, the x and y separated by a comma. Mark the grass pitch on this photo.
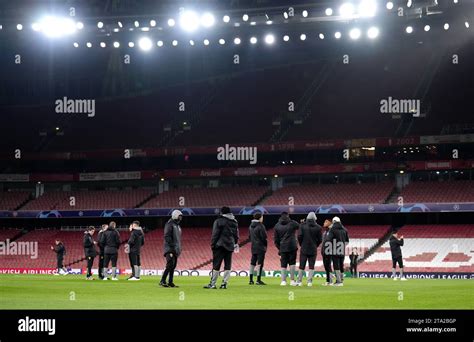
<point>74,292</point>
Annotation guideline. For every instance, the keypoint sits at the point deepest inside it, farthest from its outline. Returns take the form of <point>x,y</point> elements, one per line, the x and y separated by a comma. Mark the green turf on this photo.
<point>58,292</point>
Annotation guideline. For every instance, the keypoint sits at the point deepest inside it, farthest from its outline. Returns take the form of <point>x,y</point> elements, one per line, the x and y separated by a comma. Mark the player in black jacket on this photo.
<point>89,250</point>
<point>101,251</point>
<point>110,239</point>
<point>258,238</point>
<point>224,240</point>
<point>327,259</point>
<point>338,238</point>
<point>309,238</point>
<point>171,247</point>
<point>353,257</point>
<point>285,240</point>
<point>135,243</point>
<point>396,242</point>
<point>60,251</point>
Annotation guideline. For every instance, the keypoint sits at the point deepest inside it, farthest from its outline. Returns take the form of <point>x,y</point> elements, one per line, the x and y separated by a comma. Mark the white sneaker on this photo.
<point>338,284</point>
<point>403,279</point>
<point>56,273</point>
<point>133,279</point>
<point>310,284</point>
<point>293,283</point>
<point>283,283</point>
<point>298,283</point>
<point>105,278</point>
<point>395,278</point>
<point>114,278</point>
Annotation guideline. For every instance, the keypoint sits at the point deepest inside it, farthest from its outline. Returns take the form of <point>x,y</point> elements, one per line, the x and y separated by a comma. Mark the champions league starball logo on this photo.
<point>417,207</point>
<point>332,209</point>
<point>185,211</point>
<point>113,213</point>
<point>253,210</point>
<point>49,214</point>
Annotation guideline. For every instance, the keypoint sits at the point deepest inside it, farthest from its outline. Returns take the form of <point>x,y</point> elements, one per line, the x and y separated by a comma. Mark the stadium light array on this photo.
<point>337,35</point>
<point>321,36</point>
<point>225,18</point>
<point>206,42</point>
<point>102,44</point>
<point>409,29</point>
<point>145,44</point>
<point>328,11</point>
<point>446,26</point>
<point>207,20</point>
<point>367,8</point>
<point>346,10</point>
<point>269,39</point>
<point>116,45</point>
<point>253,40</point>
<point>55,27</point>
<point>373,32</point>
<point>286,37</point>
<point>427,28</point>
<point>237,41</point>
<point>304,13</point>
<point>389,5</point>
<point>354,33</point>
<point>189,21</point>
<point>159,43</point>
<point>171,22</point>
<point>303,36</point>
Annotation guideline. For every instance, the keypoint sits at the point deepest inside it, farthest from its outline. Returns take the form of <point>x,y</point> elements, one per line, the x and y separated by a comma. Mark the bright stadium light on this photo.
<point>102,45</point>
<point>174,43</point>
<point>389,5</point>
<point>373,32</point>
<point>136,23</point>
<point>171,22</point>
<point>131,44</point>
<point>303,36</point>
<point>89,44</point>
<point>221,41</point>
<point>189,21</point>
<point>152,23</point>
<point>367,8</point>
<point>427,28</point>
<point>269,39</point>
<point>466,24</point>
<point>206,42</point>
<point>245,17</point>
<point>145,43</point>
<point>328,11</point>
<point>304,13</point>
<point>119,23</point>
<point>286,37</point>
<point>100,24</point>
<point>36,27</point>
<point>346,10</point>
<point>409,3</point>
<point>354,33</point>
<point>321,36</point>
<point>79,25</point>
<point>19,27</point>
<point>409,29</point>
<point>76,45</point>
<point>207,20</point>
<point>116,45</point>
<point>55,27</point>
<point>337,35</point>
<point>237,41</point>
<point>446,26</point>
<point>225,18</point>
<point>191,42</point>
<point>285,15</point>
<point>253,40</point>
<point>159,43</point>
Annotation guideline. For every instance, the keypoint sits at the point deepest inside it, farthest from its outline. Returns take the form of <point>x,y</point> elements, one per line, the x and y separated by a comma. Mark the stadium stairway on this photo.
<point>393,196</point>
<point>381,241</point>
<point>268,193</point>
<point>146,199</point>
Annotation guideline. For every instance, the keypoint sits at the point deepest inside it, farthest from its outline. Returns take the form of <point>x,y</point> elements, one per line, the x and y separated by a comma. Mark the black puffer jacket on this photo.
<point>225,232</point>
<point>258,237</point>
<point>309,237</point>
<point>338,238</point>
<point>136,241</point>
<point>284,236</point>
<point>110,239</point>
<point>172,237</point>
<point>395,247</point>
<point>89,247</point>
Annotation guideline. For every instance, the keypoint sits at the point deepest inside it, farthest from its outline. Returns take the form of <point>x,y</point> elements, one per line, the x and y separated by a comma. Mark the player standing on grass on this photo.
<point>258,238</point>
<point>326,257</point>
<point>172,247</point>
<point>353,257</point>
<point>396,242</point>
<point>60,251</point>
<point>224,240</point>
<point>89,250</point>
<point>285,241</point>
<point>110,239</point>
<point>309,238</point>
<point>135,243</point>
<point>338,238</point>
<point>101,251</point>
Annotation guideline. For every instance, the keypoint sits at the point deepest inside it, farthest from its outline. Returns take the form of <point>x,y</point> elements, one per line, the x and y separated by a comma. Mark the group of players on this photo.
<point>288,234</point>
